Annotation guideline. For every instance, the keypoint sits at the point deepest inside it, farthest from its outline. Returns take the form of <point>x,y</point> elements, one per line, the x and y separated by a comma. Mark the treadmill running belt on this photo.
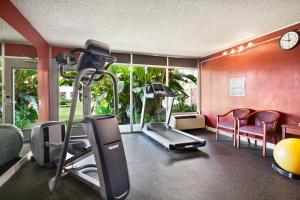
<point>173,136</point>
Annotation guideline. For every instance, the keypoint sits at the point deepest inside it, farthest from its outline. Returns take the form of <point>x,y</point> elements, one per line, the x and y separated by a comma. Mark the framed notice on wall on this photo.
<point>237,86</point>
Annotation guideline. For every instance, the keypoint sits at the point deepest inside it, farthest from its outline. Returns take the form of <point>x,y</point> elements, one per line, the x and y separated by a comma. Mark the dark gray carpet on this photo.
<point>24,151</point>
<point>218,171</point>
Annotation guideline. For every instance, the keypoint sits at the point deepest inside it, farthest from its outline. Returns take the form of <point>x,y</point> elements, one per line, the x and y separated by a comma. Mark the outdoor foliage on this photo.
<point>177,79</point>
<point>26,107</point>
<point>142,76</point>
<point>102,93</point>
<point>181,106</point>
<point>64,102</point>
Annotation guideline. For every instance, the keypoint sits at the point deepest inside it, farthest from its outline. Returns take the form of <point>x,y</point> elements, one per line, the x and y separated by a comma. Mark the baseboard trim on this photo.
<point>259,143</point>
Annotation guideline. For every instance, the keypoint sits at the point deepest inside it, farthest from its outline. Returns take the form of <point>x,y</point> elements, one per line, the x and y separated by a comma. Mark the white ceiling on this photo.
<point>171,27</point>
<point>9,34</point>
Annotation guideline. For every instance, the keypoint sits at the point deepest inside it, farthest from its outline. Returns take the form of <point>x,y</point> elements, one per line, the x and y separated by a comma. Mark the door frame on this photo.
<point>10,64</point>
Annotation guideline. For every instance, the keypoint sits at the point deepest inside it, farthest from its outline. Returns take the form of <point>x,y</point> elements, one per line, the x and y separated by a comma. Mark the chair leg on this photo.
<point>264,146</point>
<point>275,139</point>
<point>238,140</point>
<point>248,139</point>
<point>234,139</point>
<point>264,139</point>
<point>217,134</point>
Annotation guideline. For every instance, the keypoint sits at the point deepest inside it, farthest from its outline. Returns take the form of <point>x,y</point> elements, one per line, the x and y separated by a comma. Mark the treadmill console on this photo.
<point>160,90</point>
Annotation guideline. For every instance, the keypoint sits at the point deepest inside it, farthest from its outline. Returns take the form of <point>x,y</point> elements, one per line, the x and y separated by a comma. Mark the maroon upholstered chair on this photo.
<point>229,125</point>
<point>265,123</point>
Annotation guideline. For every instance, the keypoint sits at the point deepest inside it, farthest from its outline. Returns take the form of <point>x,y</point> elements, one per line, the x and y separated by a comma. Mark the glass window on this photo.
<point>26,97</point>
<point>155,108</point>
<point>65,98</point>
<point>184,82</point>
<point>102,94</point>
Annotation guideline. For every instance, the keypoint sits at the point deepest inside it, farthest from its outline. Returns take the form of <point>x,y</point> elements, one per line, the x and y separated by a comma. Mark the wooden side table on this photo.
<point>287,129</point>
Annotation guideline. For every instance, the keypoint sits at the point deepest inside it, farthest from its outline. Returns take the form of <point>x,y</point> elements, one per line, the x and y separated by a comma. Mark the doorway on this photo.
<point>21,87</point>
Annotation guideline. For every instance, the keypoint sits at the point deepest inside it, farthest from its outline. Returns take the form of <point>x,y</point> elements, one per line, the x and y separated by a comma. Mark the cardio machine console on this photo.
<point>159,89</point>
<point>94,56</point>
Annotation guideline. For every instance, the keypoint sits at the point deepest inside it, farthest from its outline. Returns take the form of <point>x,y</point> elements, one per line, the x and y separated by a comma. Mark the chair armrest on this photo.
<point>246,117</point>
<point>272,121</point>
<point>225,114</point>
<point>249,112</point>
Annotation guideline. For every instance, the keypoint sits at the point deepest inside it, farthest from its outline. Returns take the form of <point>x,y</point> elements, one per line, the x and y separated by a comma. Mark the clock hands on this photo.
<point>289,40</point>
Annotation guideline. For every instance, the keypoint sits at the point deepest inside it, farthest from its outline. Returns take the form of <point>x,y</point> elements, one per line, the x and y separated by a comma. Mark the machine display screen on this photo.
<point>158,87</point>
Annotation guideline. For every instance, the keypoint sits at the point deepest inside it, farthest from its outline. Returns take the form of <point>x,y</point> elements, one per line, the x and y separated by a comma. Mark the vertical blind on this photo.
<point>139,59</point>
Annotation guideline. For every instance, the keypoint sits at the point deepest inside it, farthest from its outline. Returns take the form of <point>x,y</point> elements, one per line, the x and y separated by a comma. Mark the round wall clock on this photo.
<point>289,40</point>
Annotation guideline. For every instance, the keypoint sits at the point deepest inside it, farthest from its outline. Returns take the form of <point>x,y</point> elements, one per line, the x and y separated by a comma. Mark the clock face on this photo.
<point>289,40</point>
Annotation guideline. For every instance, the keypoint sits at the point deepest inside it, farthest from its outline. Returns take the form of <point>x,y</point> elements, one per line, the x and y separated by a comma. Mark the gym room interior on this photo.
<point>157,99</point>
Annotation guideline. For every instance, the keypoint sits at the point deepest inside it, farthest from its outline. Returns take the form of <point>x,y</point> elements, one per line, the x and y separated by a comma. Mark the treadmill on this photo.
<point>170,138</point>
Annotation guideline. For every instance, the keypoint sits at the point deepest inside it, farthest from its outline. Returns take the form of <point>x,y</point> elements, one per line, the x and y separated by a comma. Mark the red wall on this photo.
<point>15,19</point>
<point>20,50</point>
<point>272,80</point>
<point>56,50</point>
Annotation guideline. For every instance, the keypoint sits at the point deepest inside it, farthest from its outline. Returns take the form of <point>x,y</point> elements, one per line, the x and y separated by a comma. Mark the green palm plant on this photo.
<point>26,108</point>
<point>102,93</point>
<point>143,76</point>
<point>177,80</point>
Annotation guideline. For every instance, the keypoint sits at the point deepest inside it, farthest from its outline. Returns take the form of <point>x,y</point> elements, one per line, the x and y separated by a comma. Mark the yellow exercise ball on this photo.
<point>287,155</point>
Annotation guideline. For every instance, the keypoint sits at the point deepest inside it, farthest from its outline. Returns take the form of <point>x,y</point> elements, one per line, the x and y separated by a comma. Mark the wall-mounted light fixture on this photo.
<point>239,49</point>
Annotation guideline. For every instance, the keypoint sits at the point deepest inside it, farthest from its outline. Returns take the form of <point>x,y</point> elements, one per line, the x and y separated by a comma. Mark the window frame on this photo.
<point>134,126</point>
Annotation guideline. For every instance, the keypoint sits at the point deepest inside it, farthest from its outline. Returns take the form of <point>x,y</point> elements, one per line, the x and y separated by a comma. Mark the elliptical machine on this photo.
<point>102,165</point>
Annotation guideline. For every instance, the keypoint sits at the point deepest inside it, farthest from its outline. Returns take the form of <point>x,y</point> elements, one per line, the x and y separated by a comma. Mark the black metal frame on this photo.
<point>283,172</point>
<point>86,77</point>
